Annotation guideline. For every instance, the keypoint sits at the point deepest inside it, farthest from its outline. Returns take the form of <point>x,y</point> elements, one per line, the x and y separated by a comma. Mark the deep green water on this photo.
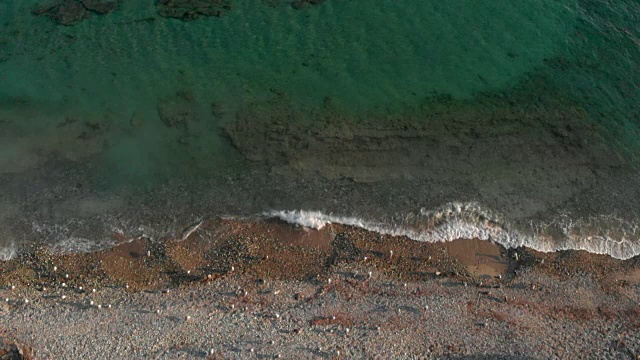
<point>82,133</point>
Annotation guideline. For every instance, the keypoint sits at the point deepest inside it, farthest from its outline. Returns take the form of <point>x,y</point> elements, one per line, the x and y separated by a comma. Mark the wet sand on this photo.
<point>259,289</point>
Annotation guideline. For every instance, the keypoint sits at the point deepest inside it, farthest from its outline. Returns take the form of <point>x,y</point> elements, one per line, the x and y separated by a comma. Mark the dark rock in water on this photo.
<point>69,12</point>
<point>64,12</point>
<point>99,6</point>
<point>300,4</point>
<point>188,10</point>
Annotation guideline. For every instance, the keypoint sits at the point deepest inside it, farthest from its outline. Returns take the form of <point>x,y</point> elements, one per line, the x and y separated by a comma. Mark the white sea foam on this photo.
<point>600,235</point>
<point>8,252</point>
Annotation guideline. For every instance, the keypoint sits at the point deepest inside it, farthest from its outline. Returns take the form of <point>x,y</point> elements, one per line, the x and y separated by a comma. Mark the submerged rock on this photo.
<point>188,10</point>
<point>178,110</point>
<point>69,12</point>
<point>300,4</point>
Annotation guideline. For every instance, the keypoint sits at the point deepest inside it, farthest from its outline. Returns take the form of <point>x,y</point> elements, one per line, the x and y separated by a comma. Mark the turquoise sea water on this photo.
<point>369,109</point>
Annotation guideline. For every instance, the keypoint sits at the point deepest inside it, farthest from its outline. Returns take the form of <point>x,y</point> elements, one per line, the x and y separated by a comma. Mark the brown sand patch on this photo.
<point>480,258</point>
<point>133,263</point>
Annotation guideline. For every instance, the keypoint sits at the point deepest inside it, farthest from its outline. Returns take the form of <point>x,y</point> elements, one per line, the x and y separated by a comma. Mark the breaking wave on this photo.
<point>600,235</point>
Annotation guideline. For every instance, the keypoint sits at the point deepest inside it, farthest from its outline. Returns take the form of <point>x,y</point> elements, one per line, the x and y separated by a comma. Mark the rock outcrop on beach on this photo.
<point>69,12</point>
<point>188,10</point>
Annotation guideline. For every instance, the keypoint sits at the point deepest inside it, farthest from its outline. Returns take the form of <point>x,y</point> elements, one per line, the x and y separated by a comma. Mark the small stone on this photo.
<point>188,318</point>
<point>251,350</point>
<point>80,288</point>
<point>63,297</point>
<point>329,280</point>
<point>13,287</point>
<point>438,273</point>
<point>346,330</point>
<point>26,301</point>
<point>148,253</point>
<point>64,284</point>
<point>404,285</point>
<point>158,311</point>
<point>277,316</point>
<point>333,318</point>
<point>55,268</point>
<point>66,276</point>
<point>99,306</point>
<point>6,300</point>
<point>93,290</point>
<point>188,272</point>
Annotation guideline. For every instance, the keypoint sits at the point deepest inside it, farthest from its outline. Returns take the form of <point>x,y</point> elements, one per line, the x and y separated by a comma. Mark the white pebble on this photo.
<point>148,253</point>
<point>109,306</point>
<point>158,311</point>
<point>329,280</point>
<point>93,290</point>
<point>63,296</point>
<point>80,288</point>
<point>188,272</point>
<point>188,318</point>
<point>6,299</point>
<point>66,276</point>
<point>252,350</point>
<point>91,302</point>
<point>64,284</point>
<point>13,287</point>
<point>232,268</point>
<point>99,306</point>
<point>26,301</point>
<point>277,316</point>
<point>55,268</point>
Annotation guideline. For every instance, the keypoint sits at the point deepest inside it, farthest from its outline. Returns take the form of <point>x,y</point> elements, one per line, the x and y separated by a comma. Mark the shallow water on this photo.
<point>522,117</point>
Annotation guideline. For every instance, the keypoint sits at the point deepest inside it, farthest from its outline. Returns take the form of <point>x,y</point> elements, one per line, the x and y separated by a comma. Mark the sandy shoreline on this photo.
<point>235,289</point>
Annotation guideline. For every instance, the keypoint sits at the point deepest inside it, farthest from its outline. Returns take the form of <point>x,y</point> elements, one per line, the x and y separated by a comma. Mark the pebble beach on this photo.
<point>266,289</point>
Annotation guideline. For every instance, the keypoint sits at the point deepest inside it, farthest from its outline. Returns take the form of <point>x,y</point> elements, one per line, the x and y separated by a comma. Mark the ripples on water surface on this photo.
<point>516,122</point>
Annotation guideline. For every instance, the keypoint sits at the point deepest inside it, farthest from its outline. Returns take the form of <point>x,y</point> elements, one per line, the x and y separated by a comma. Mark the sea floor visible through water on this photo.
<point>510,122</point>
